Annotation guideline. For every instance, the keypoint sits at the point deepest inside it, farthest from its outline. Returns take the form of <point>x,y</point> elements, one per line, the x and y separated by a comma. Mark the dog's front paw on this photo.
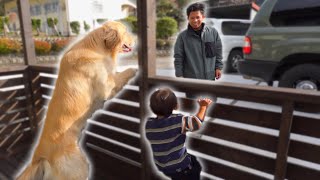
<point>131,72</point>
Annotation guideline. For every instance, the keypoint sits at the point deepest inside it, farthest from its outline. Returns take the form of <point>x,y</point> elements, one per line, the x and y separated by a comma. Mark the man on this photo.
<point>198,49</point>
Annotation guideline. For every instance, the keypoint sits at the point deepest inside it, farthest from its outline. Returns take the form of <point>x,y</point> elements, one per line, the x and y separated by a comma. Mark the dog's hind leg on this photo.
<point>72,166</point>
<point>122,79</point>
<point>39,170</point>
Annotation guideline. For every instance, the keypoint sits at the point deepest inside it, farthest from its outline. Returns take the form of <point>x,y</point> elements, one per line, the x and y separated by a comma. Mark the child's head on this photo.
<point>163,102</point>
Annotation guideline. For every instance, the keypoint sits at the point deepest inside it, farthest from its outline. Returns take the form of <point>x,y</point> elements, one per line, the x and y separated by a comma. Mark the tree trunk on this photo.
<point>56,30</point>
<point>5,29</point>
<point>38,31</point>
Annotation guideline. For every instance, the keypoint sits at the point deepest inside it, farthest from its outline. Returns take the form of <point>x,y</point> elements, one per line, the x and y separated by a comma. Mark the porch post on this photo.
<point>284,140</point>
<point>147,58</point>
<point>26,32</point>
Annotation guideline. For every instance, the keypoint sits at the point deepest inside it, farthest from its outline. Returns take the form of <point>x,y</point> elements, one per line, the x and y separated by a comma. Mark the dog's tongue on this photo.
<point>126,48</point>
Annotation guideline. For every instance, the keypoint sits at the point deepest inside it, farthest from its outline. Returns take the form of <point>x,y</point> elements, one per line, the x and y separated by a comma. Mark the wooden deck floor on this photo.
<point>9,165</point>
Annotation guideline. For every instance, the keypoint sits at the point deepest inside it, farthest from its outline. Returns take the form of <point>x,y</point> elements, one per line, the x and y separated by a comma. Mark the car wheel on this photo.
<point>305,76</point>
<point>232,63</point>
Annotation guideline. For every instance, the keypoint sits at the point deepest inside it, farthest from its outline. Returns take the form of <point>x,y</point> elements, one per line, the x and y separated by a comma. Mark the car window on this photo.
<point>259,2</point>
<point>296,13</point>
<point>235,28</point>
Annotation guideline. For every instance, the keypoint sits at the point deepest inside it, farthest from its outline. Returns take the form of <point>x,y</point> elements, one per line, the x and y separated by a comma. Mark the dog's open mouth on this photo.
<point>126,48</point>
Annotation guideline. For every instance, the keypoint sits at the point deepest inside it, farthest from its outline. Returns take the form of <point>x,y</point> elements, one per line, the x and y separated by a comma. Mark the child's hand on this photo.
<point>204,102</point>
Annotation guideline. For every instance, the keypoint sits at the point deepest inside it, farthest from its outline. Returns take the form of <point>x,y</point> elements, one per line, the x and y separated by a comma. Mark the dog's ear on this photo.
<point>111,38</point>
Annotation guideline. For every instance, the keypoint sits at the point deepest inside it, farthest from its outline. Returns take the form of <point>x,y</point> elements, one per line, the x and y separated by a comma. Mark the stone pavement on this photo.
<point>162,62</point>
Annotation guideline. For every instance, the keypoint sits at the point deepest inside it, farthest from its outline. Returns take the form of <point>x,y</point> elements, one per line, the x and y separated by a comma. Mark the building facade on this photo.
<point>66,11</point>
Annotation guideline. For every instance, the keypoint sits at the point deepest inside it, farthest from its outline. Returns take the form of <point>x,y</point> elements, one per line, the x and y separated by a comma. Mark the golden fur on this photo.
<point>86,78</point>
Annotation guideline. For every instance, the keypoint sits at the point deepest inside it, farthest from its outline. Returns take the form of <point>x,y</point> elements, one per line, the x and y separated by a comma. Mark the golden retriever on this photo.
<point>86,78</point>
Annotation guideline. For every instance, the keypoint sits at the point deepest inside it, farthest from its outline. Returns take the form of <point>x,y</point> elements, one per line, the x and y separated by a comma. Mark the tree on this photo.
<point>182,3</point>
<point>3,24</point>
<point>166,27</point>
<point>166,8</point>
<point>75,27</point>
<point>36,23</point>
<point>52,23</point>
<point>86,26</point>
<point>178,15</point>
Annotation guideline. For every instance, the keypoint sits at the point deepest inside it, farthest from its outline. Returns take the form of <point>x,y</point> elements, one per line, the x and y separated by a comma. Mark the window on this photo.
<point>97,6</point>
<point>47,8</point>
<point>32,11</point>
<point>38,10</point>
<point>35,10</point>
<point>259,2</point>
<point>296,13</point>
<point>55,6</point>
<point>51,7</point>
<point>235,28</point>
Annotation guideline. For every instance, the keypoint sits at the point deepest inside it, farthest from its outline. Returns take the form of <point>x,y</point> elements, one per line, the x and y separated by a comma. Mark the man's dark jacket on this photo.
<point>198,56</point>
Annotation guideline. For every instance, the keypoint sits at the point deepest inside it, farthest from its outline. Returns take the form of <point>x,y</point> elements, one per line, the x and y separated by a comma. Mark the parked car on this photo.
<point>232,33</point>
<point>283,44</point>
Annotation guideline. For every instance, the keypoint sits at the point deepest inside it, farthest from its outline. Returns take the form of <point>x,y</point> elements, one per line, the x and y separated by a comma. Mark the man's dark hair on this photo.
<point>195,7</point>
<point>163,102</point>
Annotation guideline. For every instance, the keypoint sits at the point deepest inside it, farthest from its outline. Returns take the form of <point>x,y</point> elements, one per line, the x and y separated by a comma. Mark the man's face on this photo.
<point>195,19</point>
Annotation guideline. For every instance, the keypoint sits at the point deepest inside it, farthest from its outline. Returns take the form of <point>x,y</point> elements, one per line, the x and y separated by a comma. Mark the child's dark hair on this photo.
<point>195,7</point>
<point>163,102</point>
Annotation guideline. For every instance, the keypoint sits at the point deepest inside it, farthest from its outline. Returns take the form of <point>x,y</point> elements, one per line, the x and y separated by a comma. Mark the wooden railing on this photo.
<point>111,139</point>
<point>16,117</point>
<point>266,140</point>
<point>251,133</point>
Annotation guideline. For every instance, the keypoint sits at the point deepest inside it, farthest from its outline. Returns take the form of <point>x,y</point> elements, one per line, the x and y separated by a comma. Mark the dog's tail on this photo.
<point>39,170</point>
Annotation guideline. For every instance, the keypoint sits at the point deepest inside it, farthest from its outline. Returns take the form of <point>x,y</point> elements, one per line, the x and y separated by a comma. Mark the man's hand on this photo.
<point>218,74</point>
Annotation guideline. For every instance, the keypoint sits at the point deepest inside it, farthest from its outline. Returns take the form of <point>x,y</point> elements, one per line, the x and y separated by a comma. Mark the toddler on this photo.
<point>166,134</point>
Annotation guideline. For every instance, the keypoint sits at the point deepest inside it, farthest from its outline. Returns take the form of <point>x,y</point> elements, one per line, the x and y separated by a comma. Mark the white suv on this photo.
<point>232,33</point>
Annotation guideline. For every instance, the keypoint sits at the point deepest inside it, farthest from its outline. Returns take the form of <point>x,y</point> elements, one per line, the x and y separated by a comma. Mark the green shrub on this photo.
<point>132,22</point>
<point>75,27</point>
<point>60,45</point>
<point>42,47</point>
<point>8,46</point>
<point>166,27</point>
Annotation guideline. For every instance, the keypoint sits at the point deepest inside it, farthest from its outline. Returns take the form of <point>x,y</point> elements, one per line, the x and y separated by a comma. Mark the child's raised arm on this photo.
<point>203,105</point>
<point>193,123</point>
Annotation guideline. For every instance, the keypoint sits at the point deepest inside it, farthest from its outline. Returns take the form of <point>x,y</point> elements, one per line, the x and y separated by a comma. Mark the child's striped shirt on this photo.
<point>167,138</point>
